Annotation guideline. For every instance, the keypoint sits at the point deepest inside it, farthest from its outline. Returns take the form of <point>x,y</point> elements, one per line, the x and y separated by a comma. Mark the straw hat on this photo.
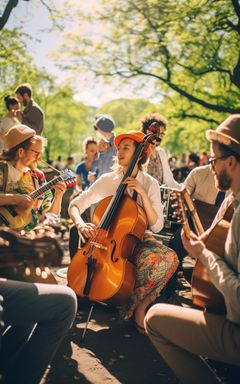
<point>17,135</point>
<point>227,133</point>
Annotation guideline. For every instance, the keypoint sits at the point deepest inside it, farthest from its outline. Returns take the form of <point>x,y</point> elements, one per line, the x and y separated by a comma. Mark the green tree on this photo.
<point>7,8</point>
<point>67,123</point>
<point>127,112</point>
<point>190,47</point>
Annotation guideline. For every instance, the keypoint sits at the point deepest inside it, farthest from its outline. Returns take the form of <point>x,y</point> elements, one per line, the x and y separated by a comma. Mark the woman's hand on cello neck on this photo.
<point>134,185</point>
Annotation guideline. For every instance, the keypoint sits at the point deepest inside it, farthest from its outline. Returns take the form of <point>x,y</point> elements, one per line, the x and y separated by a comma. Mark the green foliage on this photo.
<point>16,67</point>
<point>187,125</point>
<point>67,123</point>
<point>127,112</point>
<point>190,47</point>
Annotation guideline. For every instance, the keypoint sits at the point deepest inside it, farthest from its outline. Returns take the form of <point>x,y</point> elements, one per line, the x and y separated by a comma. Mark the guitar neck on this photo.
<point>186,229</point>
<point>44,188</point>
<point>196,220</point>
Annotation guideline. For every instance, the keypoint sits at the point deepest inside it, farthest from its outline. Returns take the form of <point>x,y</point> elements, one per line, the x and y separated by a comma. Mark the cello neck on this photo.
<point>116,199</point>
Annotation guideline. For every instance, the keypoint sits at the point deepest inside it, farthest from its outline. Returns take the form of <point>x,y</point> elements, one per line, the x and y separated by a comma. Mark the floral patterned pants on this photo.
<point>155,264</point>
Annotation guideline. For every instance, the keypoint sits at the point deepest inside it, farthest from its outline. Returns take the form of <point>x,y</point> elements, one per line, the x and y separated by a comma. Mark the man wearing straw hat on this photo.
<point>23,149</point>
<point>183,336</point>
<point>34,317</point>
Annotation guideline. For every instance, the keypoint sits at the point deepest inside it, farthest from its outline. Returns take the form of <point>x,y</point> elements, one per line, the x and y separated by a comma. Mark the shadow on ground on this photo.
<point>112,352</point>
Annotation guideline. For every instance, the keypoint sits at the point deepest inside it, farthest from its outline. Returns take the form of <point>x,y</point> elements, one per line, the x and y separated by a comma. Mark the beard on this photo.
<point>224,181</point>
<point>24,102</point>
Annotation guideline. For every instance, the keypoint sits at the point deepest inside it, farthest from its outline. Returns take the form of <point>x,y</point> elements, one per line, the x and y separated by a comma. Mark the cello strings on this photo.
<point>114,203</point>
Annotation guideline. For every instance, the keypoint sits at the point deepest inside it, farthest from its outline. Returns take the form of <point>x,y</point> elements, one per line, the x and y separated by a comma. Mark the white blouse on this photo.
<point>107,185</point>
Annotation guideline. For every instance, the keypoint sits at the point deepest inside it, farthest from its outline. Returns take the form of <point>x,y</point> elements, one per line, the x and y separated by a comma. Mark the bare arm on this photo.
<point>55,208</point>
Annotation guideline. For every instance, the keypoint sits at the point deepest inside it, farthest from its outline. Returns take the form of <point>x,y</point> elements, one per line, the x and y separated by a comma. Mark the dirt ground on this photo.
<point>112,352</point>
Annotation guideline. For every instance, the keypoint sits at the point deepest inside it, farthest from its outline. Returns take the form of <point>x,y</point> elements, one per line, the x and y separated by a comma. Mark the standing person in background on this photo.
<point>193,161</point>
<point>103,146</point>
<point>82,169</point>
<point>158,165</point>
<point>85,173</point>
<point>181,173</point>
<point>204,158</point>
<point>59,164</point>
<point>104,124</point>
<point>11,117</point>
<point>32,115</point>
<point>70,163</point>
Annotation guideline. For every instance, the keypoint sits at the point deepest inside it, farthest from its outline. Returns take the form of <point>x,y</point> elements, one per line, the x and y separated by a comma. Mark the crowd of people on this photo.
<point>34,317</point>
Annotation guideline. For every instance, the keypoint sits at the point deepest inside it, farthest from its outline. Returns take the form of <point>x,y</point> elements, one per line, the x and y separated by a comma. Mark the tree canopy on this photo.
<point>190,47</point>
<point>189,50</point>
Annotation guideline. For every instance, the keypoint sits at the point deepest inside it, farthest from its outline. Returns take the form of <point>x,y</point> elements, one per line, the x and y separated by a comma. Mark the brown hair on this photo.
<point>87,142</point>
<point>150,118</point>
<point>10,101</point>
<point>24,88</point>
<point>143,159</point>
<point>226,151</point>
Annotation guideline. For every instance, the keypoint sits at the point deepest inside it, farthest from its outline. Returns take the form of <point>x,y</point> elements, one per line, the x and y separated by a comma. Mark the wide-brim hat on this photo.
<point>227,133</point>
<point>136,136</point>
<point>17,135</point>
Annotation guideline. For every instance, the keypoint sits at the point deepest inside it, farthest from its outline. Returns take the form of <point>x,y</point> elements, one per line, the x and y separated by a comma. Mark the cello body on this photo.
<point>112,276</point>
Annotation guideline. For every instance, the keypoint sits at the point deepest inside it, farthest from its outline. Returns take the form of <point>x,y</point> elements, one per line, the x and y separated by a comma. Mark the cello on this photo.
<point>102,270</point>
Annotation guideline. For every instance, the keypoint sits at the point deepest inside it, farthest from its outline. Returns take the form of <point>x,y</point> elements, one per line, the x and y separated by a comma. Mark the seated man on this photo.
<point>200,185</point>
<point>23,149</point>
<point>19,177</point>
<point>183,336</point>
<point>36,318</point>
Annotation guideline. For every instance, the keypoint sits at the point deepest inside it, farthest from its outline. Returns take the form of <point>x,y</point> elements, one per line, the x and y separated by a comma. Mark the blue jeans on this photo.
<point>36,318</point>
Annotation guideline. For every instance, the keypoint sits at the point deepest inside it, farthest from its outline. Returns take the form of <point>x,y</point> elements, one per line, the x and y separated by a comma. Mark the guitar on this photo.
<point>16,218</point>
<point>204,292</point>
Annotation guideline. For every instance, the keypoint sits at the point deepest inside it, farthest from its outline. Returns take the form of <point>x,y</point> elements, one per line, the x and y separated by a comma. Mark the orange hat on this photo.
<point>135,136</point>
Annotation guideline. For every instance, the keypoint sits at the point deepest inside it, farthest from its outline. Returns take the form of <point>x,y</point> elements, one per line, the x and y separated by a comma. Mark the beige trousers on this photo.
<point>182,335</point>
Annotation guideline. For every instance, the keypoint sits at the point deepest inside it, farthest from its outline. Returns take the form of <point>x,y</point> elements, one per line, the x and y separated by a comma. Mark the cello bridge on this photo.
<point>98,245</point>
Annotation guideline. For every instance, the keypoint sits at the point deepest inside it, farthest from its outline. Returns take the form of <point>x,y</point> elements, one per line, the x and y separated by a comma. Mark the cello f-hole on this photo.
<point>113,251</point>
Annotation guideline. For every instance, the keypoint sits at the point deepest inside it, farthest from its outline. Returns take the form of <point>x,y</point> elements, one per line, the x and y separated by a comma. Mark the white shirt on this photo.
<point>168,178</point>
<point>107,185</point>
<point>200,184</point>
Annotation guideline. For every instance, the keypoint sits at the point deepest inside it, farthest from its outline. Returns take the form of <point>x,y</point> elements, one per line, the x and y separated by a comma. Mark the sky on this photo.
<point>87,89</point>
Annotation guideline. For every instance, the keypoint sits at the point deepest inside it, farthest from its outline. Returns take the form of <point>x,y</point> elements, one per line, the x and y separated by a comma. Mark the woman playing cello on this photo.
<point>154,262</point>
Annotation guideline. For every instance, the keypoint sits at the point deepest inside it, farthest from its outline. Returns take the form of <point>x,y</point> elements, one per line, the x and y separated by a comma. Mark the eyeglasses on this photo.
<point>37,154</point>
<point>212,160</point>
